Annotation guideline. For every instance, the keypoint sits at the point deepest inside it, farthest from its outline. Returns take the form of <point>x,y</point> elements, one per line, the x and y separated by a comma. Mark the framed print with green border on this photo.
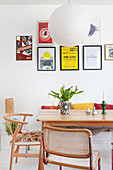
<point>69,58</point>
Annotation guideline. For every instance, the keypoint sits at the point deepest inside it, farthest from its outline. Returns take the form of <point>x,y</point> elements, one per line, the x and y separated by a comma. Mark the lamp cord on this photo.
<point>69,1</point>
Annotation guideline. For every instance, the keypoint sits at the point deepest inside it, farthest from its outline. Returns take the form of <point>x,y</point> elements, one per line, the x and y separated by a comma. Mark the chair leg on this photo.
<point>112,158</point>
<point>12,152</point>
<point>60,167</point>
<point>41,164</point>
<point>99,166</point>
<point>17,152</point>
<point>28,148</point>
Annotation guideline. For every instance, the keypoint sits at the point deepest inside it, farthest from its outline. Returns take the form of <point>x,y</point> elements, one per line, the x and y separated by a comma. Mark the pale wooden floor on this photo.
<point>101,142</point>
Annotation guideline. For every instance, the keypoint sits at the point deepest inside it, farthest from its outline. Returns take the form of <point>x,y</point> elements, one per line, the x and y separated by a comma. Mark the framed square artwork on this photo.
<point>24,47</point>
<point>108,51</point>
<point>69,58</point>
<point>46,58</point>
<point>92,57</point>
<point>43,35</point>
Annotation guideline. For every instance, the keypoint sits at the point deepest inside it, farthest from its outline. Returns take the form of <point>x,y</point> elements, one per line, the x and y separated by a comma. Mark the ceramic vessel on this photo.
<point>65,107</point>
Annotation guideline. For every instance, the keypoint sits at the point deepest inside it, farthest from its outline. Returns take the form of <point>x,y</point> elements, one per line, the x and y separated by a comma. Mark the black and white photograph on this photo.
<point>108,51</point>
<point>92,57</point>
<point>46,58</point>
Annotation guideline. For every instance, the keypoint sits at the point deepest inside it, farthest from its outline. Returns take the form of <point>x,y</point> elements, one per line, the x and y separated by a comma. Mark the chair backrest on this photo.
<point>19,124</point>
<point>9,105</point>
<point>75,143</point>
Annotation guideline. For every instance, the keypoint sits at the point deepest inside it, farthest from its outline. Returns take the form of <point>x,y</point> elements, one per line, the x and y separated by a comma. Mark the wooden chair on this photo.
<point>22,139</point>
<point>69,148</point>
<point>112,155</point>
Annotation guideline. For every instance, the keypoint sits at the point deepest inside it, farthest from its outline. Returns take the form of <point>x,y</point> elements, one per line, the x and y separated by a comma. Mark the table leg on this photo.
<point>41,164</point>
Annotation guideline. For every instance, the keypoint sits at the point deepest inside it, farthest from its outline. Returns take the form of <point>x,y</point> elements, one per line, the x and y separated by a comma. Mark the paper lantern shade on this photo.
<point>69,25</point>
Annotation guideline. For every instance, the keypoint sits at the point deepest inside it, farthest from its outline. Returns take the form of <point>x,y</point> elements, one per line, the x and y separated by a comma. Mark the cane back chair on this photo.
<point>112,155</point>
<point>22,139</point>
<point>70,148</point>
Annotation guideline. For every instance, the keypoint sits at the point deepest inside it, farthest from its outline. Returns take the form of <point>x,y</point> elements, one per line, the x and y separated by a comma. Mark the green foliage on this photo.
<point>65,94</point>
<point>13,126</point>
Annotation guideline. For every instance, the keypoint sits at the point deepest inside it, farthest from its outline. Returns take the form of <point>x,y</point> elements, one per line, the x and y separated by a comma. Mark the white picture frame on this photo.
<point>94,36</point>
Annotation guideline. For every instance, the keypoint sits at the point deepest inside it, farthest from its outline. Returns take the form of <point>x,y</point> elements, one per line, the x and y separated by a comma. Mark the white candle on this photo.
<point>103,96</point>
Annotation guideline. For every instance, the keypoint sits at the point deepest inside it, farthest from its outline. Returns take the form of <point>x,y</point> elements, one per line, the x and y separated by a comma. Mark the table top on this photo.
<point>75,116</point>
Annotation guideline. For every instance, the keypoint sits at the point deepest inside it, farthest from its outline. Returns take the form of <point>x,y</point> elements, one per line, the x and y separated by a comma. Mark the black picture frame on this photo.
<point>99,47</point>
<point>61,59</point>
<point>46,63</point>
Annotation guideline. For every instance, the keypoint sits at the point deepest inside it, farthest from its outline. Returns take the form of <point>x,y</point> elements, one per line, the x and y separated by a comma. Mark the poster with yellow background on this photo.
<point>69,58</point>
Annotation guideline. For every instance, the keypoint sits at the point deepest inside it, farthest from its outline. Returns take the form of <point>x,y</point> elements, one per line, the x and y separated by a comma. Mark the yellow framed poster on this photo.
<point>69,58</point>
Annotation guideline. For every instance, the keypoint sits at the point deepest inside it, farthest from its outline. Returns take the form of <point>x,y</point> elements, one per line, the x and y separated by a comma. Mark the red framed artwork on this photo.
<point>23,47</point>
<point>43,36</point>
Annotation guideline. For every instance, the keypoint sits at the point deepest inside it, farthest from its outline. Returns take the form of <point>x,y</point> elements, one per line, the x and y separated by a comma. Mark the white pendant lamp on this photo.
<point>69,25</point>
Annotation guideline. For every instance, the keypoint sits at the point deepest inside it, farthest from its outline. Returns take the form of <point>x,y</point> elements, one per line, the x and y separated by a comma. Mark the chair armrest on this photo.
<point>20,114</point>
<point>12,120</point>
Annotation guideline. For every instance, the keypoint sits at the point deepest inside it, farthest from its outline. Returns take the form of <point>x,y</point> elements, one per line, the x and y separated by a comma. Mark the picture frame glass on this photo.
<point>92,57</point>
<point>108,51</point>
<point>46,58</point>
<point>94,36</point>
<point>69,58</point>
<point>24,47</point>
<point>43,35</point>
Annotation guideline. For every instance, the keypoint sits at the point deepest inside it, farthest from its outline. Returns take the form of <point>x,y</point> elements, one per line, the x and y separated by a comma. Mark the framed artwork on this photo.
<point>94,35</point>
<point>24,47</point>
<point>46,58</point>
<point>92,57</point>
<point>69,58</point>
<point>108,51</point>
<point>43,36</point>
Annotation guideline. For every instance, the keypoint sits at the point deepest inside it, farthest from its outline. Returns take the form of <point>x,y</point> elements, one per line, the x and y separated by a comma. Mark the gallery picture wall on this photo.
<point>69,56</point>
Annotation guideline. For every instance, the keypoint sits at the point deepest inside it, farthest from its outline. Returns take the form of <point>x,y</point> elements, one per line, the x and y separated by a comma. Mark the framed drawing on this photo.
<point>46,58</point>
<point>92,57</point>
<point>24,47</point>
<point>43,36</point>
<point>94,35</point>
<point>69,58</point>
<point>108,51</point>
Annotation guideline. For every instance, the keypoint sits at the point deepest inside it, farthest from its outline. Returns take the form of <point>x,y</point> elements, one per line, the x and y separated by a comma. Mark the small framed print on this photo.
<point>92,57</point>
<point>108,51</point>
<point>46,58</point>
<point>69,58</point>
<point>43,35</point>
<point>24,48</point>
<point>94,36</point>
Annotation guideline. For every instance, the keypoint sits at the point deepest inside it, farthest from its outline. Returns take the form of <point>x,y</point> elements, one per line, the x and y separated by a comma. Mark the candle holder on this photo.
<point>104,104</point>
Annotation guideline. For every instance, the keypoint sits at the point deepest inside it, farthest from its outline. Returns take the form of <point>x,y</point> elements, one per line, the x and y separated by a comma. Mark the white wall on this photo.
<point>30,87</point>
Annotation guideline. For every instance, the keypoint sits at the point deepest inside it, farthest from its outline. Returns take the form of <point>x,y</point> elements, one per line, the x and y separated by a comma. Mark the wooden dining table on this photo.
<point>77,118</point>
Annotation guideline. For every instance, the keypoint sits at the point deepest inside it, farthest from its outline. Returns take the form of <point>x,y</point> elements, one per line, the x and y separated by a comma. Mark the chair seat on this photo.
<point>27,138</point>
<point>74,162</point>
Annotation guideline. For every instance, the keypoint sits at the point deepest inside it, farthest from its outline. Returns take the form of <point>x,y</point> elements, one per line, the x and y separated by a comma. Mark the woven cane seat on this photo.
<point>32,137</point>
